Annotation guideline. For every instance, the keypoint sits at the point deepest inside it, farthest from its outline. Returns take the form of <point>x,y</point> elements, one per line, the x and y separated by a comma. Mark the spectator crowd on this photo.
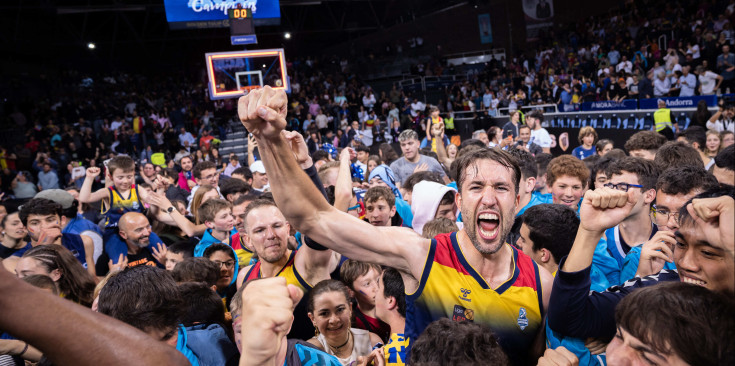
<point>357,228</point>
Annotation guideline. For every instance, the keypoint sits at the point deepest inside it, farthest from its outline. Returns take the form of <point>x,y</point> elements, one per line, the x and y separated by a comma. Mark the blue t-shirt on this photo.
<point>581,153</point>
<point>536,199</point>
<point>631,261</point>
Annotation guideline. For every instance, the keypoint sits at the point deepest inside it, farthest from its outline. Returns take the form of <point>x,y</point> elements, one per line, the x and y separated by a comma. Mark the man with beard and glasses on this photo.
<point>135,230</point>
<point>268,235</point>
<point>472,274</point>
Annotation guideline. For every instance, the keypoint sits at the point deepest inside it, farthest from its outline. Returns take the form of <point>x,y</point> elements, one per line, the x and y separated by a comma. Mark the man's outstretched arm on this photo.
<point>263,113</point>
<point>79,336</point>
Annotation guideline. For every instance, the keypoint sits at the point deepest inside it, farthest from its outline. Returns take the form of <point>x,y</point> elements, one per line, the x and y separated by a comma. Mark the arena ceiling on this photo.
<point>136,32</point>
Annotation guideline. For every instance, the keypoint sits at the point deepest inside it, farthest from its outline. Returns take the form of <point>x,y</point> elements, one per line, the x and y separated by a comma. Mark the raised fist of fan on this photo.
<point>437,129</point>
<point>263,112</point>
<point>267,314</point>
<point>604,208</point>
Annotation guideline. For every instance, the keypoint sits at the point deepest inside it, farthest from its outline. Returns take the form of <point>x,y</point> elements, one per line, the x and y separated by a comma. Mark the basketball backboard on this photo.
<point>232,74</point>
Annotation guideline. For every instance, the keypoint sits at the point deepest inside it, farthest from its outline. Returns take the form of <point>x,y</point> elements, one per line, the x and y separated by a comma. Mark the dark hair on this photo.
<point>542,162</point>
<point>323,287</point>
<point>388,154</point>
<point>248,197</point>
<point>551,226</point>
<point>393,287</point>
<point>196,269</point>
<point>71,211</point>
<point>186,157</point>
<point>75,282</point>
<point>320,155</point>
<point>725,159</point>
<point>695,134</point>
<point>201,304</point>
<point>645,140</point>
<point>40,207</point>
<point>697,324</point>
<point>682,180</point>
<point>376,159</point>
<point>677,154</point>
<point>471,142</point>
<point>170,173</point>
<point>244,171</point>
<point>219,247</point>
<point>526,162</point>
<point>362,148</point>
<point>352,269</point>
<point>646,170</point>
<point>185,248</point>
<point>492,132</point>
<point>616,153</point>
<point>202,166</point>
<point>601,144</point>
<point>601,166</point>
<point>375,193</point>
<point>719,191</point>
<point>447,198</point>
<point>464,162</point>
<point>42,282</point>
<point>537,114</point>
<point>414,178</point>
<point>145,297</point>
<point>5,218</point>
<point>449,342</point>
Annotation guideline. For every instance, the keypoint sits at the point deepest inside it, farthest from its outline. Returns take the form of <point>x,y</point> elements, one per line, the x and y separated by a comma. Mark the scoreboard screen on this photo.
<point>192,14</point>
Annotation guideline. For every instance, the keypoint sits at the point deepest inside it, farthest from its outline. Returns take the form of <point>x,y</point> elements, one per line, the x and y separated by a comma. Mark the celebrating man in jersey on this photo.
<point>471,274</point>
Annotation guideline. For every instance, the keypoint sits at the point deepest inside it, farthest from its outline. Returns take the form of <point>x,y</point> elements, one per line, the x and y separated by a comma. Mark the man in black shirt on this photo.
<point>136,231</point>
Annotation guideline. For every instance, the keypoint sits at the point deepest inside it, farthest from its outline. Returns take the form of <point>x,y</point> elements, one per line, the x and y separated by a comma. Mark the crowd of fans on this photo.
<point>359,229</point>
<point>647,49</point>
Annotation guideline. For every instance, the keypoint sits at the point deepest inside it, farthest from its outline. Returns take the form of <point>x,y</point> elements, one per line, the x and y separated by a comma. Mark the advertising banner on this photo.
<point>609,105</point>
<point>486,32</point>
<point>679,102</point>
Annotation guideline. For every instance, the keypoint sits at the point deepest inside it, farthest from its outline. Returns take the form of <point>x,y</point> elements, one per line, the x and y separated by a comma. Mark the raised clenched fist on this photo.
<point>263,112</point>
<point>93,172</point>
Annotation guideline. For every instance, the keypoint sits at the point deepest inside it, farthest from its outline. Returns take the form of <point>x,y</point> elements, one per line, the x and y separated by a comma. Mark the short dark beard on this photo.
<point>471,231</point>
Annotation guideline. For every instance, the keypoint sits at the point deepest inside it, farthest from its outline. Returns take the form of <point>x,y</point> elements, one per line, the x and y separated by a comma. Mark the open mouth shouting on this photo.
<point>487,225</point>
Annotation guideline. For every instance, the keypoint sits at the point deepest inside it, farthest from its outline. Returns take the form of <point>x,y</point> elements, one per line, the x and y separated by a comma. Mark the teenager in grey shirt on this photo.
<point>411,159</point>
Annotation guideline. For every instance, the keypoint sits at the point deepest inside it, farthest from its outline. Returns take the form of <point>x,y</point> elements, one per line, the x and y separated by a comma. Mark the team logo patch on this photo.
<point>522,319</point>
<point>469,314</point>
<point>135,205</point>
<point>461,313</point>
<point>465,293</point>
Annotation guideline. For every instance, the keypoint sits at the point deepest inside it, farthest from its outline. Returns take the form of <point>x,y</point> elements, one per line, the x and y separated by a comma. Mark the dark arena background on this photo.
<point>504,140</point>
